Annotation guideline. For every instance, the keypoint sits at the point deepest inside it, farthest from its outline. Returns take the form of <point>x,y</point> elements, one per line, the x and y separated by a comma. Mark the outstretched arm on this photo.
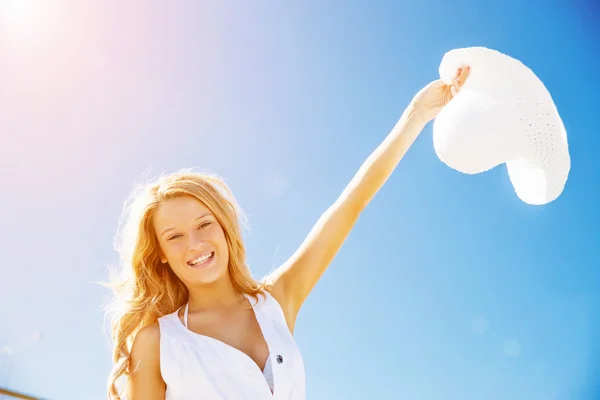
<point>295,279</point>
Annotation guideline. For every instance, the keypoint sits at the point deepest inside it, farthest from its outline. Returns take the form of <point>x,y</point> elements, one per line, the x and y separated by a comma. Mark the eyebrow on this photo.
<point>170,229</point>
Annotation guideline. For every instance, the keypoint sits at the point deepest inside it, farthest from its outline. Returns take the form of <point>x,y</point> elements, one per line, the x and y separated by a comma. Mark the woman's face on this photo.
<point>191,241</point>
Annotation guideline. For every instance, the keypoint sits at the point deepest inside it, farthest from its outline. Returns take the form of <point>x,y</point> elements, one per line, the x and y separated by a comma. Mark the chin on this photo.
<point>208,276</point>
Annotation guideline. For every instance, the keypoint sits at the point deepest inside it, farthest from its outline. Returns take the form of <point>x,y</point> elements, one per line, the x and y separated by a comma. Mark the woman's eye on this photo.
<point>174,237</point>
<point>204,225</point>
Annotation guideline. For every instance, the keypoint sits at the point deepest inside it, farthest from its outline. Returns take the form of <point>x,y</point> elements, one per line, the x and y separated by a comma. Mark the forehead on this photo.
<point>178,211</point>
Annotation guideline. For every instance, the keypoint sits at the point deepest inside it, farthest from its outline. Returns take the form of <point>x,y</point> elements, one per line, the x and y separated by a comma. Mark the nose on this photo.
<point>196,241</point>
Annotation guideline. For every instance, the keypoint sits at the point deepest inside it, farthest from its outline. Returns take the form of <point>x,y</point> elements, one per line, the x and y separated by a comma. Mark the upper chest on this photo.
<point>239,329</point>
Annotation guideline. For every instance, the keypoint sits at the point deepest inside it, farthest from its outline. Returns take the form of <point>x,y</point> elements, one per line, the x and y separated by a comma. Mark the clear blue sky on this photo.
<point>449,287</point>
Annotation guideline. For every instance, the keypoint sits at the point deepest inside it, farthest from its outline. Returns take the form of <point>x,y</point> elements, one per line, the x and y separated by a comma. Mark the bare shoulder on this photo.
<point>146,381</point>
<point>276,289</point>
<point>146,344</point>
<point>274,285</point>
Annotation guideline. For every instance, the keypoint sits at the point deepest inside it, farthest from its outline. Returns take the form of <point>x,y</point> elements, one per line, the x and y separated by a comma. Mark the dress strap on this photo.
<point>185,315</point>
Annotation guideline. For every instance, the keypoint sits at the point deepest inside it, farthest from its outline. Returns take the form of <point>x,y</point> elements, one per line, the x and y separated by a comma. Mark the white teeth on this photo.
<point>200,259</point>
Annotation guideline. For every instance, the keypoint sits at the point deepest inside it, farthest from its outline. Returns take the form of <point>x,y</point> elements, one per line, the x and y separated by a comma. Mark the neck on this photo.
<point>217,295</point>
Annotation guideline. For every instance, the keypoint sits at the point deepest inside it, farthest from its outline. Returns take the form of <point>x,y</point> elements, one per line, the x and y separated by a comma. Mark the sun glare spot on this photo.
<point>18,13</point>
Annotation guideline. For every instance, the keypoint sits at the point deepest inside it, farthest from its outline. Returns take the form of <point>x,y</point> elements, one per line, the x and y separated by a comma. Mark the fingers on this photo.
<point>459,80</point>
<point>462,74</point>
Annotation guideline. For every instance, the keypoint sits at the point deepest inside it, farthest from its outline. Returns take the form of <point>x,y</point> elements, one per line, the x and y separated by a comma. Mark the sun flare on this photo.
<point>18,13</point>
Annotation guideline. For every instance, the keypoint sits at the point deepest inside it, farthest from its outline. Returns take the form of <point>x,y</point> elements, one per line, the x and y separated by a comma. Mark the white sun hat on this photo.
<point>503,114</point>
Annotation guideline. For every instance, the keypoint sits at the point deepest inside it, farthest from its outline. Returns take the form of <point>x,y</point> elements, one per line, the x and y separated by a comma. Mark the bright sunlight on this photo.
<point>15,14</point>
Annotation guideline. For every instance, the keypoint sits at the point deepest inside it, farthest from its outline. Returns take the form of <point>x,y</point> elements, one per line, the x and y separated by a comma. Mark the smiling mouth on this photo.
<point>202,260</point>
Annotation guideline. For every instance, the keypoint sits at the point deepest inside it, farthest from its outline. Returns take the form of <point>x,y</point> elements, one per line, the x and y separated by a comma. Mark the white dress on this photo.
<point>198,367</point>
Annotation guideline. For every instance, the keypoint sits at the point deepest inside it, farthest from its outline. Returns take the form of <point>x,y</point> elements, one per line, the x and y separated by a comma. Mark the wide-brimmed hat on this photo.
<point>503,114</point>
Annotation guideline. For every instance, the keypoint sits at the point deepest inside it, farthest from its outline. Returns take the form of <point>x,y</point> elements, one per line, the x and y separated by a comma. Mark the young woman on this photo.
<point>192,322</point>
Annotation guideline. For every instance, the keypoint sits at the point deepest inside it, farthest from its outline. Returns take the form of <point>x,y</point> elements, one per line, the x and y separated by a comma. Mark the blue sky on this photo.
<point>449,287</point>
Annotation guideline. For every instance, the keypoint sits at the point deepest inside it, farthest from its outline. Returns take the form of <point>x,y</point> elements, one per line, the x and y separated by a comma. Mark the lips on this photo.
<point>202,260</point>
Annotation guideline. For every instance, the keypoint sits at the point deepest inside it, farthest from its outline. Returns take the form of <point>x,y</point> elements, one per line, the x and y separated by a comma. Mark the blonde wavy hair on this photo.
<point>144,290</point>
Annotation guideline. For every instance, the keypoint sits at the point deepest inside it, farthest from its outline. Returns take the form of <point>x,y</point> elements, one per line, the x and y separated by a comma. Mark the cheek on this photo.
<point>169,252</point>
<point>222,243</point>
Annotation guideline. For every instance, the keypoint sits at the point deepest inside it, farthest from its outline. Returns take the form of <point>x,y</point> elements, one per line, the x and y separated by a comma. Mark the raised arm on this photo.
<point>294,280</point>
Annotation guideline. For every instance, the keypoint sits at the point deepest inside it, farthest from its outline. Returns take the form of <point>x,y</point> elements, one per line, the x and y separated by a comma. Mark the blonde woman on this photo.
<point>190,321</point>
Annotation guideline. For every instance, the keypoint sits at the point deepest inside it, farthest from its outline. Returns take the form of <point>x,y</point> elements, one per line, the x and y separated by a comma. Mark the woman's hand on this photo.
<point>432,98</point>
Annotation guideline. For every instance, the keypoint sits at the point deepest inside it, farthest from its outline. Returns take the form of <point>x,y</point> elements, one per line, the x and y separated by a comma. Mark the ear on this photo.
<point>163,259</point>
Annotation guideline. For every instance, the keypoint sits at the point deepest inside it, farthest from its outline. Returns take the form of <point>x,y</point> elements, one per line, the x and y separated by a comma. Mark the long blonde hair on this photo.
<point>144,290</point>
